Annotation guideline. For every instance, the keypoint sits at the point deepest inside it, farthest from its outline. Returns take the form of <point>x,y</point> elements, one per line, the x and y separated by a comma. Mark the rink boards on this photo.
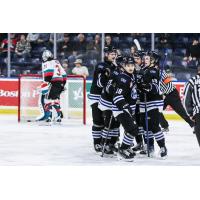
<point>9,95</point>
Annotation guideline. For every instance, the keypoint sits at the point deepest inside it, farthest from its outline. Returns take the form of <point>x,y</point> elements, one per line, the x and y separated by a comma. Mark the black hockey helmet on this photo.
<point>139,54</point>
<point>154,56</point>
<point>129,60</point>
<point>120,60</point>
<point>109,49</point>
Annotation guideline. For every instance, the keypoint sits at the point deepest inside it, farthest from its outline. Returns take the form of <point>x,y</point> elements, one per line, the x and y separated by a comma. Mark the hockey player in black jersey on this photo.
<point>138,59</point>
<point>100,79</point>
<point>152,103</point>
<point>110,133</point>
<point>124,101</point>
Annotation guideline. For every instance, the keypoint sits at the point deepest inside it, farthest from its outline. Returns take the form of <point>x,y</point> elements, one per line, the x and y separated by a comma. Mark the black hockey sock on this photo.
<point>96,133</point>
<point>97,141</point>
<point>161,143</point>
<point>160,138</point>
<point>138,139</point>
<point>127,141</point>
<point>104,140</point>
<point>151,142</point>
<point>151,139</point>
<point>113,140</point>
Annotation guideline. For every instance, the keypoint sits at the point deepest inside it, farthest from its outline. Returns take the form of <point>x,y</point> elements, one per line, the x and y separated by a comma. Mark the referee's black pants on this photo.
<point>197,127</point>
<point>173,99</point>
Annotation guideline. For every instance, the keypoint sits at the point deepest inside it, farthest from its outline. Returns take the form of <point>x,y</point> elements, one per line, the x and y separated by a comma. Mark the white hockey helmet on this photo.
<point>46,55</point>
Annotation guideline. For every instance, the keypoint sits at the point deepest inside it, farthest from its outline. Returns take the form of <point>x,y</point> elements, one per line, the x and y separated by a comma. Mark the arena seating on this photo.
<point>176,50</point>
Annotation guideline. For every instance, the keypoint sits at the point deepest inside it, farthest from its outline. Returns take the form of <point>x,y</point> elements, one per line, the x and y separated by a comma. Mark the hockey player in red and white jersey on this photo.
<point>54,79</point>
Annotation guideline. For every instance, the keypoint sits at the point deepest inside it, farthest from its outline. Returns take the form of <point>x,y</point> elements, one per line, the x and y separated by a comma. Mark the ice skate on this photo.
<point>57,120</point>
<point>114,148</point>
<point>126,155</point>
<point>108,151</point>
<point>98,148</point>
<point>163,152</point>
<point>137,147</point>
<point>47,122</point>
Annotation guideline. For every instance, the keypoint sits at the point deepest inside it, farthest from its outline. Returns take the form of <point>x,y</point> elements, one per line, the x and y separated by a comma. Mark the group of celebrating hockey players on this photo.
<point>130,91</point>
<point>127,91</point>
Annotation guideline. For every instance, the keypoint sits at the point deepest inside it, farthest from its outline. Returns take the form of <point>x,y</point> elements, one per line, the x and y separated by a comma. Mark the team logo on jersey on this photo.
<point>134,93</point>
<point>152,71</point>
<point>123,80</point>
<point>100,66</point>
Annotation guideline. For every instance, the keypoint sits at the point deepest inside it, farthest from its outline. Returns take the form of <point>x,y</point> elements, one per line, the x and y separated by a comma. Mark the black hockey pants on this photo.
<point>174,101</point>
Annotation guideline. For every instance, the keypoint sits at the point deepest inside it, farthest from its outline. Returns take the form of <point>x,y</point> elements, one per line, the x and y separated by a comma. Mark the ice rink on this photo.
<point>31,144</point>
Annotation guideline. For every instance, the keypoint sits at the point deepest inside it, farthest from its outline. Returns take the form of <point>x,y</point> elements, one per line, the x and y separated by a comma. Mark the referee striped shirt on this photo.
<point>192,95</point>
<point>166,85</point>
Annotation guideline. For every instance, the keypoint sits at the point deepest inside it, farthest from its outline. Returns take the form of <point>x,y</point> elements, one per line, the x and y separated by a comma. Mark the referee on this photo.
<point>192,101</point>
<point>171,97</point>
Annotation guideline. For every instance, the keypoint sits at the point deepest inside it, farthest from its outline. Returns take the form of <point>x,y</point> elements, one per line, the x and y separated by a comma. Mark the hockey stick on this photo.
<point>105,141</point>
<point>137,44</point>
<point>163,65</point>
<point>146,124</point>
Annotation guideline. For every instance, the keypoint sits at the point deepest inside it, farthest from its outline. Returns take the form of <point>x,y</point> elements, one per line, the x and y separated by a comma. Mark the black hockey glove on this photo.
<point>145,87</point>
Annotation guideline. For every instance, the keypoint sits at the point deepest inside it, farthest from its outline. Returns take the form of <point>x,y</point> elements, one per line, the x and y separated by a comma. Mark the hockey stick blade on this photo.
<point>137,44</point>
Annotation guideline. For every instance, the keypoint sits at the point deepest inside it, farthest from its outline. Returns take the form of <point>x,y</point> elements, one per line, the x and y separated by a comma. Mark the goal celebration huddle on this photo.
<point>131,91</point>
<point>128,91</point>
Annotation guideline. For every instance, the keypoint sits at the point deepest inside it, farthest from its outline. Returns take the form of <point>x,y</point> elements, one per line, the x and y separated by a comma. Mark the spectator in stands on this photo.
<point>43,38</point>
<point>193,52</point>
<point>43,41</point>
<point>66,66</point>
<point>136,35</point>
<point>79,69</point>
<point>80,46</point>
<point>96,44</point>
<point>94,48</point>
<point>165,41</point>
<point>32,38</point>
<point>4,45</point>
<point>133,50</point>
<point>3,36</point>
<point>59,37</point>
<point>23,47</point>
<point>65,47</point>
<point>108,41</point>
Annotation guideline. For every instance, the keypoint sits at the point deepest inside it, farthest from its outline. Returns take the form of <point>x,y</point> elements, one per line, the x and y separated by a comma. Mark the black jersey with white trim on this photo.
<point>100,79</point>
<point>153,98</point>
<point>126,92</point>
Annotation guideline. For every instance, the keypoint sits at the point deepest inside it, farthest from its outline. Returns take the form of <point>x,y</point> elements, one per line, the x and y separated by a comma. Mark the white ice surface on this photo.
<point>30,144</point>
